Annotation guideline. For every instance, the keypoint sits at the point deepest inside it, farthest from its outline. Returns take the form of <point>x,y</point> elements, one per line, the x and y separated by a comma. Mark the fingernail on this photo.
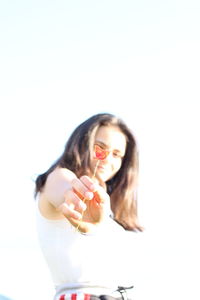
<point>83,205</point>
<point>89,195</point>
<point>78,216</point>
<point>93,186</point>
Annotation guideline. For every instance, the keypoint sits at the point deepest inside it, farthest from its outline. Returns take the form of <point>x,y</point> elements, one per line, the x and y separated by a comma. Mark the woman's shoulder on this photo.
<point>52,195</point>
<point>61,173</point>
<point>57,182</point>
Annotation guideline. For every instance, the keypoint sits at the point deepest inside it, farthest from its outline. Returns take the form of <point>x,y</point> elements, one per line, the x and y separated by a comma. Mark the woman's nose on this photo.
<point>108,158</point>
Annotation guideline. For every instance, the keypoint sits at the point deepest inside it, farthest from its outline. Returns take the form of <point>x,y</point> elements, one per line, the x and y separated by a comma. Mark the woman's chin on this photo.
<point>103,176</point>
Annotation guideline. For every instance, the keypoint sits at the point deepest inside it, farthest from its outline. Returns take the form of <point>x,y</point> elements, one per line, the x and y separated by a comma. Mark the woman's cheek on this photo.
<point>118,165</point>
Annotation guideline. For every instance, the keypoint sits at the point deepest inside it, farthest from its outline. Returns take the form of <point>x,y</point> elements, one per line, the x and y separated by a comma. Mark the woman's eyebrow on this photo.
<point>101,143</point>
<point>105,146</point>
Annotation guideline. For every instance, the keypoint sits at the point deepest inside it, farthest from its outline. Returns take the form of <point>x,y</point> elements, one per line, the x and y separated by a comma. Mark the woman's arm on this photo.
<point>57,183</point>
<point>53,192</point>
<point>80,200</point>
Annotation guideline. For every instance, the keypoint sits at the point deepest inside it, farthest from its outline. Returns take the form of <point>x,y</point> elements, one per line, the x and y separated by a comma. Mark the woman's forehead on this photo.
<point>111,137</point>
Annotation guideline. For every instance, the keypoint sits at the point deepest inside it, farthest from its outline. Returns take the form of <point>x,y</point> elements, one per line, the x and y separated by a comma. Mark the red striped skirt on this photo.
<point>89,297</point>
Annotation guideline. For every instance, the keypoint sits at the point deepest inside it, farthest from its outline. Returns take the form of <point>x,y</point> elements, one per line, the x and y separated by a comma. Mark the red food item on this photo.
<point>100,153</point>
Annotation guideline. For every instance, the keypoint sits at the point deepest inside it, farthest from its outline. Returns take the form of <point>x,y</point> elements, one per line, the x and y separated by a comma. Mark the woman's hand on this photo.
<point>85,204</point>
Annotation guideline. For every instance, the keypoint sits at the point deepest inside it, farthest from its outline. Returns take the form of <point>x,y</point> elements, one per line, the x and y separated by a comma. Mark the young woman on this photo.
<point>86,203</point>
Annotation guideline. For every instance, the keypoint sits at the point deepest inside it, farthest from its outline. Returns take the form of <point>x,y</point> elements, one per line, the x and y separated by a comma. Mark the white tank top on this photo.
<point>81,261</point>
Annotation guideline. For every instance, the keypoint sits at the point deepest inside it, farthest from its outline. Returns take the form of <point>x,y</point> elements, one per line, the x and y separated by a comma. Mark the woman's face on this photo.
<point>112,139</point>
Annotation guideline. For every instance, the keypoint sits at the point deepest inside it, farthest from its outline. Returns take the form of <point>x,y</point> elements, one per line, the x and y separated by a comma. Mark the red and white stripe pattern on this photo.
<point>75,297</point>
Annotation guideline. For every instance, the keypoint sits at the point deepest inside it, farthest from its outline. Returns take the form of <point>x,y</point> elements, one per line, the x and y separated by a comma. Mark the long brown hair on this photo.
<point>122,188</point>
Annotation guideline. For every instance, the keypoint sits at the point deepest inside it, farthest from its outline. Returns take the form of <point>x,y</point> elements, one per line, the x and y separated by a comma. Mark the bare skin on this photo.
<point>81,200</point>
<point>68,202</point>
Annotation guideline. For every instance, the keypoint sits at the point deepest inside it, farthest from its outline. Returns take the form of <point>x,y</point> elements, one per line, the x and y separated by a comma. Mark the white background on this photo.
<point>61,62</point>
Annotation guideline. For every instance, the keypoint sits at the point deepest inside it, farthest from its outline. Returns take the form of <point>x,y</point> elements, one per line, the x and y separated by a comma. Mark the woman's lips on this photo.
<point>102,168</point>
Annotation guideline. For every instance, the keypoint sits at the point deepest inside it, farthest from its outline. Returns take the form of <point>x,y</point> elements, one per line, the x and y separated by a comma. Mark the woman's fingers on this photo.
<point>81,190</point>
<point>76,203</point>
<point>84,187</point>
<point>101,195</point>
<point>88,182</point>
<point>69,212</point>
<point>73,205</point>
<point>102,200</point>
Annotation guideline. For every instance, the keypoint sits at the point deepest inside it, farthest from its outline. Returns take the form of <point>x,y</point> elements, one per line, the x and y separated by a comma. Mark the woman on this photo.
<point>86,203</point>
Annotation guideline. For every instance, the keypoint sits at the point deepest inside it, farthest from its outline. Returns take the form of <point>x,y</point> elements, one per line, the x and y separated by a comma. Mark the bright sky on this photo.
<point>62,61</point>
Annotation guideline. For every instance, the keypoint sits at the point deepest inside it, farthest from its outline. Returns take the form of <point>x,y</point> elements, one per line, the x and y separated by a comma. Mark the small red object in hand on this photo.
<point>100,153</point>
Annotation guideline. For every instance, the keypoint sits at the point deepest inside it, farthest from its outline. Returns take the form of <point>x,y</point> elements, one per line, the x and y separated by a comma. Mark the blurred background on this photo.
<point>62,61</point>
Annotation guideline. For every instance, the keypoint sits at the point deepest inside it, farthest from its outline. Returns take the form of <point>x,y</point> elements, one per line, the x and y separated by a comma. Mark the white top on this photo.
<point>99,261</point>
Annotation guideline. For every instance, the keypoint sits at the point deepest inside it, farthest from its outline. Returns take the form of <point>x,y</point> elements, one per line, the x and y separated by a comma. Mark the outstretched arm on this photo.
<point>80,200</point>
